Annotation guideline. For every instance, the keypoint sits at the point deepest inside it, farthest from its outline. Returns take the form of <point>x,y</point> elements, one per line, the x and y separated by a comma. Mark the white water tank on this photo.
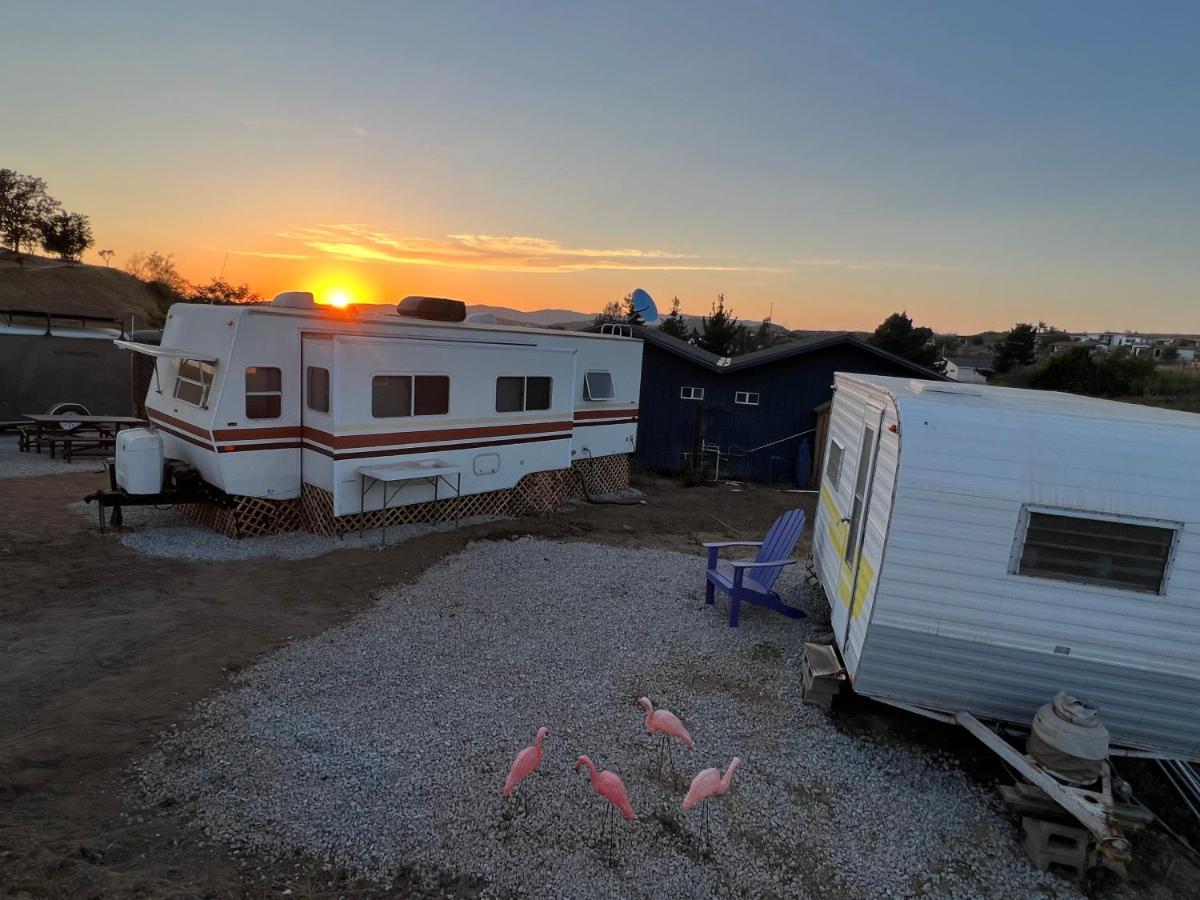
<point>140,461</point>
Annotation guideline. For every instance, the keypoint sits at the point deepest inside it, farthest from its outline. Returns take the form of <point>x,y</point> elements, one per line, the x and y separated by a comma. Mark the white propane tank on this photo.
<point>140,461</point>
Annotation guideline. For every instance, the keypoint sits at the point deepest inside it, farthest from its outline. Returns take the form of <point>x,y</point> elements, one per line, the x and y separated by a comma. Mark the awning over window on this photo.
<point>165,352</point>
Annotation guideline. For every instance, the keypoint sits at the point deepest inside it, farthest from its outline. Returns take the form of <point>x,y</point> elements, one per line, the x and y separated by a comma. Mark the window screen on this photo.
<point>391,396</point>
<point>431,395</point>
<point>193,381</point>
<point>264,392</point>
<point>833,469</point>
<point>318,389</point>
<point>598,386</point>
<point>396,396</point>
<point>517,393</point>
<point>1096,551</point>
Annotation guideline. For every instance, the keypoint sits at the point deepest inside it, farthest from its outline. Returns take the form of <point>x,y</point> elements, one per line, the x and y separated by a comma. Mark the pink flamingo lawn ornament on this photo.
<point>609,786</point>
<point>527,760</point>
<point>666,724</point>
<point>709,783</point>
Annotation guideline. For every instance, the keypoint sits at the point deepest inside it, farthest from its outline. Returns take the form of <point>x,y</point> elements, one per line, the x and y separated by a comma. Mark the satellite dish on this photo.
<point>643,305</point>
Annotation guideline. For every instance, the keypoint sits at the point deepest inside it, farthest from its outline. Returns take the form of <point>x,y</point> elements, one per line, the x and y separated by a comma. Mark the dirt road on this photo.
<point>102,649</point>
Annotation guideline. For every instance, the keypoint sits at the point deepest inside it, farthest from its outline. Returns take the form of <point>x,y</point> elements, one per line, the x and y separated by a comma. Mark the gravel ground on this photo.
<point>168,534</point>
<point>383,744</point>
<point>15,464</point>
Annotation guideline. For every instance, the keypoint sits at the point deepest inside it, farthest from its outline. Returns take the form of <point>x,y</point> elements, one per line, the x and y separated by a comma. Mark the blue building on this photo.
<point>763,411</point>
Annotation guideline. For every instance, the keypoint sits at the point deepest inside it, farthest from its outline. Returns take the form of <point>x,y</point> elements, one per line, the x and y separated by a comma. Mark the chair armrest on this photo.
<point>733,543</point>
<point>763,565</point>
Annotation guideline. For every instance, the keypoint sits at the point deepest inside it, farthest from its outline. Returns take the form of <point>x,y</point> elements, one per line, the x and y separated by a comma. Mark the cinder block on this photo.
<point>1054,844</point>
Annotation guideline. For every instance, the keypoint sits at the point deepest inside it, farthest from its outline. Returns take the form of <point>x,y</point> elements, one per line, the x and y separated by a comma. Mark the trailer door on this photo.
<point>853,556</point>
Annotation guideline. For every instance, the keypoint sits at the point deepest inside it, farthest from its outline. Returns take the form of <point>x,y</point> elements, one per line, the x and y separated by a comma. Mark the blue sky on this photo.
<point>975,164</point>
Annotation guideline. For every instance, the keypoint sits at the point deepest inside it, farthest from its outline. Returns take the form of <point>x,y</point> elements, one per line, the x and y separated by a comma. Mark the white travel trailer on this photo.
<point>983,548</point>
<point>271,401</point>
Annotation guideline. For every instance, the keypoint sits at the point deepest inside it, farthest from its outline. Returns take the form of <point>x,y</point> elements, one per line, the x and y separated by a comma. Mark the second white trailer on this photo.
<point>983,548</point>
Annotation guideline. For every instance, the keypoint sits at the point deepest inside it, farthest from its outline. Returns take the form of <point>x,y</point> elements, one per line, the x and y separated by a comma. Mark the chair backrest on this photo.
<point>779,543</point>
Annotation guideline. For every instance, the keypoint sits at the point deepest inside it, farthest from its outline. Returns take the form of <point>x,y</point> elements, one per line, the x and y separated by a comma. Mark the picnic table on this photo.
<point>75,434</point>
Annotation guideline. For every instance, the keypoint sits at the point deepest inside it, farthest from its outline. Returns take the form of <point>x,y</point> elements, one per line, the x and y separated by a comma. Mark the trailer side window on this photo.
<point>397,396</point>
<point>518,393</point>
<point>598,386</point>
<point>431,395</point>
<point>691,393</point>
<point>833,469</point>
<point>1107,552</point>
<point>318,389</point>
<point>264,392</point>
<point>193,381</point>
<point>745,398</point>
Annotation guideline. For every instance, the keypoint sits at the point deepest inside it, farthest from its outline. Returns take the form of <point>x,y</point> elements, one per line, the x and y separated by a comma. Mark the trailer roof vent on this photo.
<point>920,386</point>
<point>295,300</point>
<point>435,309</point>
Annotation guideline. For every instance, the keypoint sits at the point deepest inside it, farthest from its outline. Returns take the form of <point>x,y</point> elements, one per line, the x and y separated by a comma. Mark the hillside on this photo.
<point>50,285</point>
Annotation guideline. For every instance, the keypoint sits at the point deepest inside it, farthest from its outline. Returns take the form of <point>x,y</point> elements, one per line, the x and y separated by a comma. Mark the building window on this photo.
<point>398,396</point>
<point>318,389</point>
<point>1103,551</point>
<point>745,398</point>
<point>264,392</point>
<point>833,468</point>
<point>193,382</point>
<point>598,386</point>
<point>691,393</point>
<point>520,393</point>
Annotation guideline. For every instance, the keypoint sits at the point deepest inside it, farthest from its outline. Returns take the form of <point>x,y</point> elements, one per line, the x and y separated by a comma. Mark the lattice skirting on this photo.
<point>537,492</point>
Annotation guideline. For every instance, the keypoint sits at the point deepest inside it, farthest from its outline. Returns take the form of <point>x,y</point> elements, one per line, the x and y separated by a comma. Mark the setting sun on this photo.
<point>339,299</point>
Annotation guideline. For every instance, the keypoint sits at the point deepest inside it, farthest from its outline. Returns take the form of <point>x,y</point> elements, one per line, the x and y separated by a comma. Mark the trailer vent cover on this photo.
<point>295,300</point>
<point>435,309</point>
<point>1069,740</point>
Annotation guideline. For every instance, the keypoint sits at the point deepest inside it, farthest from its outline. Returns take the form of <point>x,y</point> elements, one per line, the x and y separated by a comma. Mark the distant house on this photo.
<point>968,369</point>
<point>759,410</point>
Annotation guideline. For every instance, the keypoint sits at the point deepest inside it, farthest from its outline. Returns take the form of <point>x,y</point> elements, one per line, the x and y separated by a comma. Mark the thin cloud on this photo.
<point>264,254</point>
<point>869,265</point>
<point>494,253</point>
<point>358,131</point>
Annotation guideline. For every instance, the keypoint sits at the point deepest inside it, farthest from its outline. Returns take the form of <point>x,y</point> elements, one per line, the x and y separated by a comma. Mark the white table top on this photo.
<point>405,471</point>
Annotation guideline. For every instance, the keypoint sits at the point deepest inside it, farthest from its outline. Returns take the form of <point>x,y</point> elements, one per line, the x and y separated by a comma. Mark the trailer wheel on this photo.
<point>68,409</point>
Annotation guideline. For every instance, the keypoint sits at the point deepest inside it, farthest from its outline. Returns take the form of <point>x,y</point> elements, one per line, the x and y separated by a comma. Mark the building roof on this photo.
<point>971,362</point>
<point>774,354</point>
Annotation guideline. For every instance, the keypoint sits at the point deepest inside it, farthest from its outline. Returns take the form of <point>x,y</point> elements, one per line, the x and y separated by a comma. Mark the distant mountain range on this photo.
<point>565,318</point>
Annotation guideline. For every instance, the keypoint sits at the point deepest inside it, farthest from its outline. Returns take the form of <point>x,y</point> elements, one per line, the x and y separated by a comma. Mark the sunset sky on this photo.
<point>975,164</point>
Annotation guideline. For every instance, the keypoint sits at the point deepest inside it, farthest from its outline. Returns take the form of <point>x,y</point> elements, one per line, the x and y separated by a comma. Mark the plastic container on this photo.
<point>140,461</point>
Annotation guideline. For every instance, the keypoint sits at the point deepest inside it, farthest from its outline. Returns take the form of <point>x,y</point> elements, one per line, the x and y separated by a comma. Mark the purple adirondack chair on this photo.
<point>751,582</point>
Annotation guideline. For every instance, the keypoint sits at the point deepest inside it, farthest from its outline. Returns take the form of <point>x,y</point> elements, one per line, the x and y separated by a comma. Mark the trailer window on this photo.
<point>264,392</point>
<point>745,398</point>
<point>861,481</point>
<point>431,395</point>
<point>193,382</point>
<point>1107,552</point>
<point>598,386</point>
<point>833,469</point>
<point>318,389</point>
<point>397,396</point>
<point>691,393</point>
<point>519,393</point>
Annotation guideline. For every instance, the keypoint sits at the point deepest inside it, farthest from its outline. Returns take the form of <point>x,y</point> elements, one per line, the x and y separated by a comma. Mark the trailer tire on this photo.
<point>66,409</point>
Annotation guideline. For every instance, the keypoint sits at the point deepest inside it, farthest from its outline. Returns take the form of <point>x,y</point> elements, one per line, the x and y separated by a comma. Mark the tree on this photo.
<point>157,268</point>
<point>67,234</point>
<point>222,292</point>
<point>896,334</point>
<point>24,207</point>
<point>673,323</point>
<point>719,331</point>
<point>107,256</point>
<point>612,312</point>
<point>1078,370</point>
<point>632,316</point>
<point>1017,348</point>
<point>1169,353</point>
<point>763,335</point>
